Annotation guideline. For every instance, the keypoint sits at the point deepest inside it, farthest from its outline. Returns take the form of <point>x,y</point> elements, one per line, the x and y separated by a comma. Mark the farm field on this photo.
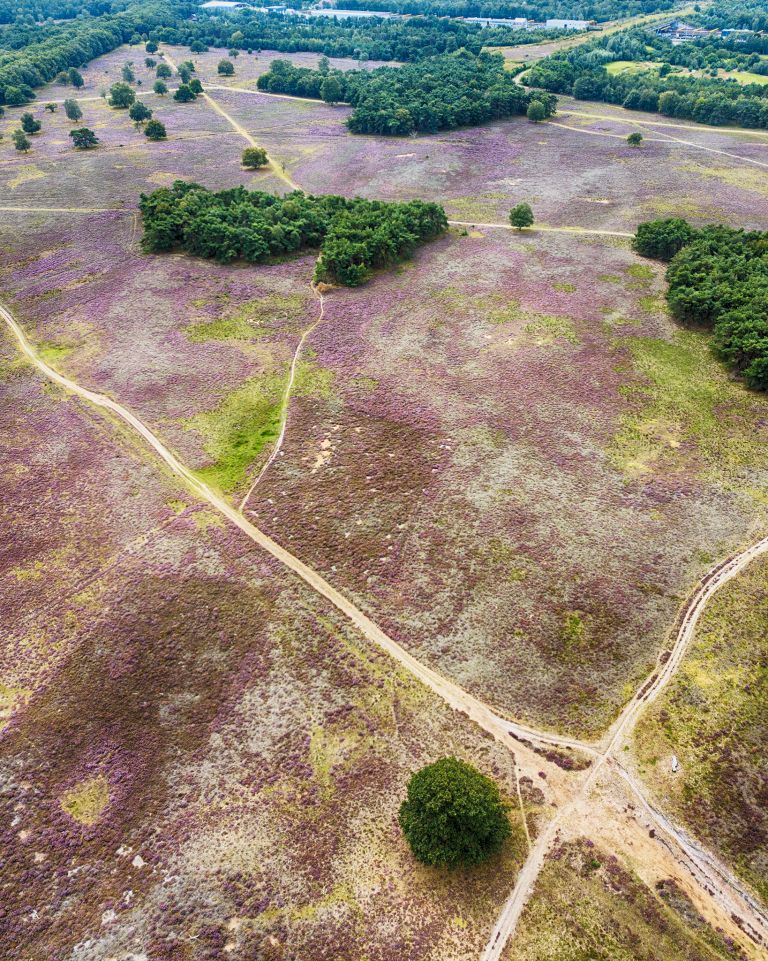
<point>503,452</point>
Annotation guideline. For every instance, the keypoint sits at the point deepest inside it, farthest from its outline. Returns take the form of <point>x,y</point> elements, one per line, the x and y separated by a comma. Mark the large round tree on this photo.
<point>453,814</point>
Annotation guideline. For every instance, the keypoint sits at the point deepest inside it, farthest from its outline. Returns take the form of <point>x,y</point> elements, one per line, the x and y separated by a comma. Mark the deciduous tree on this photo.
<point>521,216</point>
<point>453,815</point>
<point>83,138</point>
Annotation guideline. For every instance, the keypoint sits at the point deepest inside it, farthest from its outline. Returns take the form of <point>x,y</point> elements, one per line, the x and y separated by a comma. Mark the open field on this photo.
<point>504,452</point>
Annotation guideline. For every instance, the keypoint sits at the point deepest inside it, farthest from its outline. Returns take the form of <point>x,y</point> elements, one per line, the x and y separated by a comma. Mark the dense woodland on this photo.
<point>354,236</point>
<point>373,38</point>
<point>532,9</point>
<point>718,279</point>
<point>436,94</point>
<point>665,87</point>
<point>741,14</point>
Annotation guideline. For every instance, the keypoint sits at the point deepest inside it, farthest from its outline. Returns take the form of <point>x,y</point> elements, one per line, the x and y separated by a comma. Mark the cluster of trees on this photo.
<point>42,52</point>
<point>741,14</point>
<point>365,38</point>
<point>354,236</point>
<point>32,11</point>
<point>436,94</point>
<point>532,9</point>
<point>717,278</point>
<point>583,72</point>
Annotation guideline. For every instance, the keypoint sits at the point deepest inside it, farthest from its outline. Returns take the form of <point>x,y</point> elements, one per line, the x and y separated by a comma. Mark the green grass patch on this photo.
<point>251,320</point>
<point>52,353</point>
<point>237,430</point>
<point>689,413</point>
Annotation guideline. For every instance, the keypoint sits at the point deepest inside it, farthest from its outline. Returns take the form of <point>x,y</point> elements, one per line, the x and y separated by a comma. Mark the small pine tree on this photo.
<point>635,139</point>
<point>521,216</point>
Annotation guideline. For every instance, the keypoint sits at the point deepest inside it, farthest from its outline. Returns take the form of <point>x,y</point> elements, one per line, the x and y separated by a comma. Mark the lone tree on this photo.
<point>20,141</point>
<point>72,110</point>
<point>521,216</point>
<point>163,71</point>
<point>139,112</point>
<point>151,46</point>
<point>635,139</point>
<point>254,157</point>
<point>83,138</point>
<point>160,87</point>
<point>226,68</point>
<point>184,94</point>
<point>330,89</point>
<point>127,72</point>
<point>121,96</point>
<point>51,107</point>
<point>155,130</point>
<point>536,111</point>
<point>453,815</point>
<point>29,124</point>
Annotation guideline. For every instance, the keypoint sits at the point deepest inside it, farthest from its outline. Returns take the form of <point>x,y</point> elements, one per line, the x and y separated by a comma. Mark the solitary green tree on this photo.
<point>83,138</point>
<point>226,68</point>
<point>29,124</point>
<point>127,73</point>
<point>536,111</point>
<point>184,94</point>
<point>155,130</point>
<point>160,87</point>
<point>139,112</point>
<point>163,71</point>
<point>254,157</point>
<point>51,107</point>
<point>150,63</point>
<point>20,141</point>
<point>151,47</point>
<point>453,815</point>
<point>635,139</point>
<point>330,89</point>
<point>121,96</point>
<point>521,216</point>
<point>72,110</point>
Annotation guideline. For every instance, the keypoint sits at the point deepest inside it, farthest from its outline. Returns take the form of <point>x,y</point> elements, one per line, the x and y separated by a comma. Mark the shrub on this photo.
<point>83,138</point>
<point>254,157</point>
<point>51,107</point>
<point>155,130</point>
<point>453,815</point>
<point>20,141</point>
<point>635,139</point>
<point>29,124</point>
<point>536,111</point>
<point>184,94</point>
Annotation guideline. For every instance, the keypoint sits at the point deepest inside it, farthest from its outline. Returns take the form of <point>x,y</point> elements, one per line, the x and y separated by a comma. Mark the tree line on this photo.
<point>354,236</point>
<point>532,9</point>
<point>583,73</point>
<point>435,94</point>
<point>717,278</point>
<point>373,38</point>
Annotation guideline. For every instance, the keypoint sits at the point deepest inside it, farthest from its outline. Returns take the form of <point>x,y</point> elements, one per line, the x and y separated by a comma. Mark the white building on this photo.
<point>567,24</point>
